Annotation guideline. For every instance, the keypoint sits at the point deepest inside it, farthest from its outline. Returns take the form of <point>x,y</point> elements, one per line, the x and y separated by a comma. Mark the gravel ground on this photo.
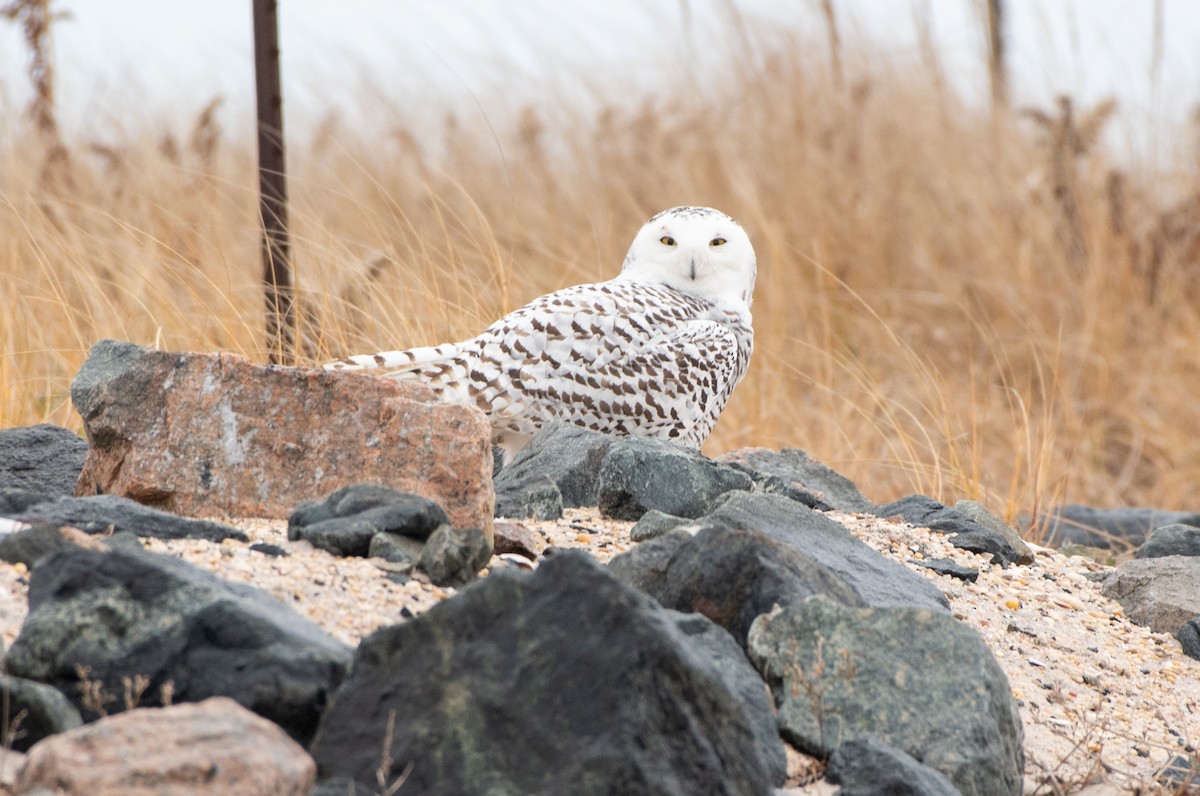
<point>1102,699</point>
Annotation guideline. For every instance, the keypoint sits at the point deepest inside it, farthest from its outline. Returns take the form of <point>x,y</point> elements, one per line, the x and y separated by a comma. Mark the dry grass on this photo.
<point>948,302</point>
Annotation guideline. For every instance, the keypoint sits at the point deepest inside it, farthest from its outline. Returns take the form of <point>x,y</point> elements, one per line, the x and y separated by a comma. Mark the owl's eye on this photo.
<point>717,242</point>
<point>667,240</point>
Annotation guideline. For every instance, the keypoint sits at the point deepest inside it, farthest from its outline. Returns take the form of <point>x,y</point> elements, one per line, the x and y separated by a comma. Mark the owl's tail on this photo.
<point>396,363</point>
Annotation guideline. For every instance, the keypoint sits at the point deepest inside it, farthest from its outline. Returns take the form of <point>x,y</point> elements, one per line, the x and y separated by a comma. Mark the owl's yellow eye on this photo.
<point>667,240</point>
<point>717,242</point>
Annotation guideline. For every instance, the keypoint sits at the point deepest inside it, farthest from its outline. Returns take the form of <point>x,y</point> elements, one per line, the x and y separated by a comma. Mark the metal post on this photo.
<point>272,186</point>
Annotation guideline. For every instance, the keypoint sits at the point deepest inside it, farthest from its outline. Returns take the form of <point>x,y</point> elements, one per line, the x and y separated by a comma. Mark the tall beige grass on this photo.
<point>949,302</point>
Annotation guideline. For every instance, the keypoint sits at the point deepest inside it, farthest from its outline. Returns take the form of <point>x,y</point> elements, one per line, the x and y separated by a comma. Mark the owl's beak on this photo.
<point>692,268</point>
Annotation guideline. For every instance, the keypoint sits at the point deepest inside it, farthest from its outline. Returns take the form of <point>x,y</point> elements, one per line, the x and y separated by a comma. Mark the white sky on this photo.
<point>126,62</point>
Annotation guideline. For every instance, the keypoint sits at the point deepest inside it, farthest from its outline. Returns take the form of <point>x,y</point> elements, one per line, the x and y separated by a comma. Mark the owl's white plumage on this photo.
<point>654,352</point>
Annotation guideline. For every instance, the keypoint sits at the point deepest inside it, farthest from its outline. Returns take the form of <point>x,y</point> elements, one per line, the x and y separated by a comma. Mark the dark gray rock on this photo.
<point>866,766</point>
<point>977,512</point>
<point>918,680</point>
<point>523,683</point>
<point>45,458</point>
<point>568,455</point>
<point>1171,540</point>
<point>342,786</point>
<point>535,497</point>
<point>642,474</point>
<point>946,566</point>
<point>270,550</point>
<point>17,501</point>
<point>803,472</point>
<point>1189,638</point>
<point>110,513</point>
<point>106,617</point>
<point>1160,593</point>
<point>965,533</point>
<point>344,522</point>
<point>768,484</point>
<point>454,557</point>
<point>879,581</point>
<point>32,544</point>
<point>655,523</point>
<point>720,649</point>
<point>31,711</point>
<point>1107,528</point>
<point>396,548</point>
<point>1180,774</point>
<point>730,575</point>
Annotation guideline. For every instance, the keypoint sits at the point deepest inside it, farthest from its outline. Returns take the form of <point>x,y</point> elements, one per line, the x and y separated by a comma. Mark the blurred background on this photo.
<point>979,265</point>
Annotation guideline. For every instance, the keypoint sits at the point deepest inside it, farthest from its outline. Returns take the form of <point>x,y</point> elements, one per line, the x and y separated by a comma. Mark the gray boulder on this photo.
<point>454,557</point>
<point>110,513</point>
<point>730,575</point>
<point>715,645</point>
<point>1160,593</point>
<point>1107,528</point>
<point>566,455</point>
<point>965,532</point>
<point>31,711</point>
<point>879,581</point>
<point>866,766</point>
<point>558,680</point>
<point>45,458</point>
<point>1171,540</point>
<point>920,681</point>
<point>100,621</point>
<point>642,474</point>
<point>344,522</point>
<point>803,472</point>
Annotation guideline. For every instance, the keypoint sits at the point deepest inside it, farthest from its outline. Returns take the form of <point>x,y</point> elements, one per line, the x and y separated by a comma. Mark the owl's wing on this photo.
<point>610,358</point>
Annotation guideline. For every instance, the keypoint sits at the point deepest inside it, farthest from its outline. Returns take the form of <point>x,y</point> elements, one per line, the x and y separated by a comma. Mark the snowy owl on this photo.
<point>654,352</point>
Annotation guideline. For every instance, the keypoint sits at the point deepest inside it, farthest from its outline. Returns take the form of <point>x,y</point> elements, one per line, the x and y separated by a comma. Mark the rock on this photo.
<point>1160,593</point>
<point>1180,774</point>
<point>395,548</point>
<point>453,557</point>
<point>215,747</point>
<point>214,434</point>
<point>642,474</point>
<point>523,683</point>
<point>655,523</point>
<point>31,711</point>
<point>535,497</point>
<point>14,502</point>
<point>720,649</point>
<point>270,550</point>
<point>344,522</point>
<point>1189,638</point>
<point>946,566</point>
<point>920,681</point>
<point>103,623</point>
<point>110,514</point>
<point>729,575</point>
<point>1171,540</point>
<point>1093,527</point>
<point>567,455</point>
<point>31,545</point>
<point>976,511</point>
<point>879,581</point>
<point>513,537</point>
<point>341,786</point>
<point>45,458</point>
<point>865,766</point>
<point>966,533</point>
<point>804,472</point>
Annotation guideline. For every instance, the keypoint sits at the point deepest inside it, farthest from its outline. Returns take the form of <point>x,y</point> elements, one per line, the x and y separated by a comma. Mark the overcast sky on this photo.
<point>125,62</point>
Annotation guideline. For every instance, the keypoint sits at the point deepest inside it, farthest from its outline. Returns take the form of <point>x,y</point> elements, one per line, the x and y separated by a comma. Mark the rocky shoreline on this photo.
<point>637,618</point>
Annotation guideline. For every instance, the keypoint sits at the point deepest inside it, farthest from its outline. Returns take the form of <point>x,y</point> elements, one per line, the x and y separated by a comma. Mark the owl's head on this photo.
<point>696,250</point>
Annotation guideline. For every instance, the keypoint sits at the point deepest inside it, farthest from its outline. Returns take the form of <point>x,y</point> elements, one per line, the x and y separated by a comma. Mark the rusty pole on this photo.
<point>272,186</point>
